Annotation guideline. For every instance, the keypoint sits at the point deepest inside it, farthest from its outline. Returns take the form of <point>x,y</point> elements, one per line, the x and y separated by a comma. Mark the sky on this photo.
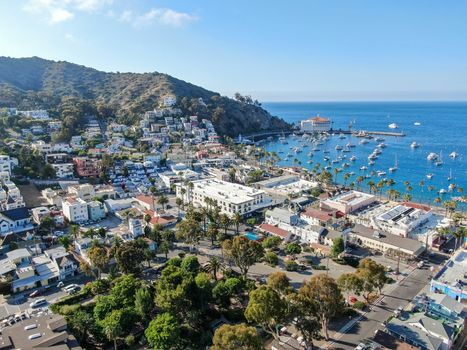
<point>300,50</point>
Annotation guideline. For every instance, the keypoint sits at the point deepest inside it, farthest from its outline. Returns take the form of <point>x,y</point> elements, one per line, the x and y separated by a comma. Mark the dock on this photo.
<point>365,132</point>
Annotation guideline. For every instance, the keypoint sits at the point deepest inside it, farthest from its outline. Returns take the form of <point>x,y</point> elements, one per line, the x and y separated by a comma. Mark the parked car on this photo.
<point>70,287</point>
<point>38,303</point>
<point>60,284</point>
<point>36,293</point>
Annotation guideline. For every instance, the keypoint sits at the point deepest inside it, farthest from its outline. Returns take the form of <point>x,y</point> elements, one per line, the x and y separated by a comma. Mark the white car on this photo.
<point>38,303</point>
<point>71,288</point>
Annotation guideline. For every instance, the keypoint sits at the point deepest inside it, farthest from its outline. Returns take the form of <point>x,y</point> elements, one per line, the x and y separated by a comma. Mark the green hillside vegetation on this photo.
<point>33,82</point>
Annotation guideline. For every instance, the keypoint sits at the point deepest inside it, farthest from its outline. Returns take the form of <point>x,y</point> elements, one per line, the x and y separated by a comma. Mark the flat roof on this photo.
<point>351,197</point>
<point>228,191</point>
<point>454,272</point>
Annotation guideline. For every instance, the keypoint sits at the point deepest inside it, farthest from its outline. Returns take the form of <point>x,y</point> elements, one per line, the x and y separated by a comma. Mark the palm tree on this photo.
<point>459,235</point>
<point>407,197</point>
<point>237,220</point>
<point>179,203</point>
<point>346,177</point>
<point>438,200</point>
<point>163,200</point>
<point>372,186</point>
<point>224,222</point>
<point>380,186</point>
<point>450,207</point>
<point>213,266</point>
<point>359,180</point>
<point>74,230</point>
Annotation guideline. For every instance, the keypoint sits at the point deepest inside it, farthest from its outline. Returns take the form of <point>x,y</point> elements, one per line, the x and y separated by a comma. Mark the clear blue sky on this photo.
<point>275,50</point>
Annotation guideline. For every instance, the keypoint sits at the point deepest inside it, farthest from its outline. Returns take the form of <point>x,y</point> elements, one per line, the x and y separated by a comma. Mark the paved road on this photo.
<point>395,296</point>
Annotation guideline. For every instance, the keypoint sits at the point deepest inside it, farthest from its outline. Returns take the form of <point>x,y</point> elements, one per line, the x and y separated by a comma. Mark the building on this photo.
<point>5,164</point>
<point>136,227</point>
<point>96,210</point>
<point>403,218</point>
<point>63,170</point>
<point>278,216</point>
<point>85,192</point>
<point>441,306</point>
<point>75,209</point>
<point>389,244</point>
<point>316,124</point>
<point>40,114</point>
<point>41,331</point>
<point>38,213</point>
<point>86,167</point>
<point>451,279</point>
<point>348,202</point>
<point>422,331</point>
<point>15,221</point>
<point>286,185</point>
<point>316,216</point>
<point>65,262</point>
<point>231,198</point>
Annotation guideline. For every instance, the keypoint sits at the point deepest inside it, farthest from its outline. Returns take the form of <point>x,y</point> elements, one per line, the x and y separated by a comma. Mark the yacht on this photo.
<point>429,176</point>
<point>432,156</point>
<point>371,162</point>
<point>352,173</point>
<point>372,156</point>
<point>311,154</point>
<point>363,168</point>
<point>353,159</point>
<point>326,151</point>
<point>442,191</point>
<point>379,139</point>
<point>439,161</point>
<point>393,126</point>
<point>326,159</point>
<point>338,148</point>
<point>283,140</point>
<point>345,165</point>
<point>328,167</point>
<point>381,173</point>
<point>377,151</point>
<point>414,145</point>
<point>315,149</point>
<point>350,144</point>
<point>363,141</point>
<point>341,136</point>
<point>394,168</point>
<point>381,145</point>
<point>417,123</point>
<point>346,150</point>
<point>451,187</point>
<point>334,161</point>
<point>361,134</point>
<point>453,155</point>
<point>310,161</point>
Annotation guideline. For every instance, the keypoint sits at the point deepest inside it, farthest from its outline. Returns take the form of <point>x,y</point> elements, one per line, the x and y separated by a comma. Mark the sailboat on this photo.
<point>439,162</point>
<point>450,175</point>
<point>282,139</point>
<point>394,168</point>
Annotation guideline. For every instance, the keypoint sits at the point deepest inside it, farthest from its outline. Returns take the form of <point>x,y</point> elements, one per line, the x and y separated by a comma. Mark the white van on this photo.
<point>38,303</point>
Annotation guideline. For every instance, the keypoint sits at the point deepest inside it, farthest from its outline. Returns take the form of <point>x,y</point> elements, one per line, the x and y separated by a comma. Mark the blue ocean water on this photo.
<point>443,130</point>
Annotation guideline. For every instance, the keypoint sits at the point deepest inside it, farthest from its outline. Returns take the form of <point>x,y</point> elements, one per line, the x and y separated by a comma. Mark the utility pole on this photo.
<point>398,261</point>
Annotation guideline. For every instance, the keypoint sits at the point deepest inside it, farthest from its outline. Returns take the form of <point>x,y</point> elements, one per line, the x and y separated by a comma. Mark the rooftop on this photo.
<point>317,214</point>
<point>351,197</point>
<point>454,272</point>
<point>224,190</point>
<point>415,334</point>
<point>274,230</point>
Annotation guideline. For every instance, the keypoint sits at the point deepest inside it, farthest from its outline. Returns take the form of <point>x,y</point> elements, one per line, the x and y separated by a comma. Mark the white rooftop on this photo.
<point>228,191</point>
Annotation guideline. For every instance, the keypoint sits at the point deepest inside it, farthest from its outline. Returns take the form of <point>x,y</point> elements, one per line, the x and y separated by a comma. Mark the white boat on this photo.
<point>311,154</point>
<point>334,161</point>
<point>326,151</point>
<point>350,144</point>
<point>326,159</point>
<point>450,175</point>
<point>345,165</point>
<point>282,139</point>
<point>327,167</point>
<point>377,151</point>
<point>439,161</point>
<point>442,191</point>
<point>432,156</point>
<point>371,162</point>
<point>341,136</point>
<point>394,168</point>
<point>310,161</point>
<point>346,150</point>
<point>393,126</point>
<point>338,148</point>
<point>372,156</point>
<point>429,176</point>
<point>381,145</point>
<point>363,141</point>
<point>417,123</point>
<point>381,173</point>
<point>352,173</point>
<point>379,139</point>
<point>414,145</point>
<point>315,149</point>
<point>451,187</point>
<point>353,159</point>
<point>363,168</point>
<point>453,155</point>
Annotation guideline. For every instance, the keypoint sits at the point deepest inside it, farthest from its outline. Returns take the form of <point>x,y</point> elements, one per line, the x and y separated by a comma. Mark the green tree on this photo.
<point>225,222</point>
<point>112,326</point>
<point>350,282</point>
<point>213,266</point>
<point>237,220</point>
<point>99,258</point>
<point>65,241</point>
<point>372,276</point>
<point>190,264</point>
<point>164,333</point>
<point>163,200</point>
<point>337,246</point>
<point>293,248</point>
<point>321,297</point>
<point>243,252</point>
<point>190,231</point>
<point>129,257</point>
<point>144,303</point>
<point>271,258</point>
<point>236,337</point>
<point>272,242</point>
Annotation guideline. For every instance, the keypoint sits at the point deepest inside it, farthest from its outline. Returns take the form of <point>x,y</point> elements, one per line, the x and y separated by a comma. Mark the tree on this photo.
<point>80,324</point>
<point>163,200</point>
<point>293,248</point>
<point>190,231</point>
<point>243,252</point>
<point>213,266</point>
<point>163,333</point>
<point>237,220</point>
<point>236,337</point>
<point>112,326</point>
<point>190,264</point>
<point>224,222</point>
<point>271,258</point>
<point>272,242</point>
<point>337,246</point>
<point>212,232</point>
<point>280,283</point>
<point>268,309</point>
<point>98,257</point>
<point>350,282</point>
<point>74,230</point>
<point>372,276</point>
<point>143,303</point>
<point>459,234</point>
<point>321,297</point>
<point>179,203</point>
<point>65,241</point>
<point>129,257</point>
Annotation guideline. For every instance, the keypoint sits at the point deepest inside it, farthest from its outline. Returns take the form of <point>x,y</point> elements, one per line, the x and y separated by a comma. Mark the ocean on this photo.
<point>442,130</point>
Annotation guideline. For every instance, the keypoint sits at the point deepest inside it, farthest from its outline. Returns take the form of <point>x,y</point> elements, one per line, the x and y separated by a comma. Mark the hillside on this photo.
<point>39,83</point>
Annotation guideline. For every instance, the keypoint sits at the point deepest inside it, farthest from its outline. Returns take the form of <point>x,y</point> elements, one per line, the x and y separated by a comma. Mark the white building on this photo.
<point>64,170</point>
<point>316,124</point>
<point>5,164</point>
<point>231,198</point>
<point>96,210</point>
<point>75,209</point>
<point>348,202</point>
<point>286,184</point>
<point>85,192</point>
<point>403,218</point>
<point>136,227</point>
<point>40,114</point>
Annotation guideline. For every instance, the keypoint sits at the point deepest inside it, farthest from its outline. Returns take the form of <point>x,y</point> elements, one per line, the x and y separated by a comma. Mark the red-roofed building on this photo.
<point>147,202</point>
<point>417,206</point>
<point>274,230</point>
<point>316,124</point>
<point>316,216</point>
<point>86,167</point>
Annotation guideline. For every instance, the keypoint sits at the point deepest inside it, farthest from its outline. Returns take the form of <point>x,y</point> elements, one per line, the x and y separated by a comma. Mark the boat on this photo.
<point>349,145</point>
<point>453,155</point>
<point>381,173</point>
<point>414,145</point>
<point>346,150</point>
<point>363,168</point>
<point>377,151</point>
<point>432,156</point>
<point>442,191</point>
<point>334,161</point>
<point>345,165</point>
<point>361,134</point>
<point>372,156</point>
<point>280,152</point>
<point>393,126</point>
<point>429,176</point>
<point>379,139</point>
<point>381,145</point>
<point>450,175</point>
<point>283,140</point>
<point>315,149</point>
<point>371,162</point>
<point>326,159</point>
<point>394,168</point>
<point>352,173</point>
<point>311,154</point>
<point>451,187</point>
<point>363,141</point>
<point>417,123</point>
<point>327,167</point>
<point>338,148</point>
<point>439,161</point>
<point>341,136</point>
<point>353,159</point>
<point>326,151</point>
<point>310,161</point>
